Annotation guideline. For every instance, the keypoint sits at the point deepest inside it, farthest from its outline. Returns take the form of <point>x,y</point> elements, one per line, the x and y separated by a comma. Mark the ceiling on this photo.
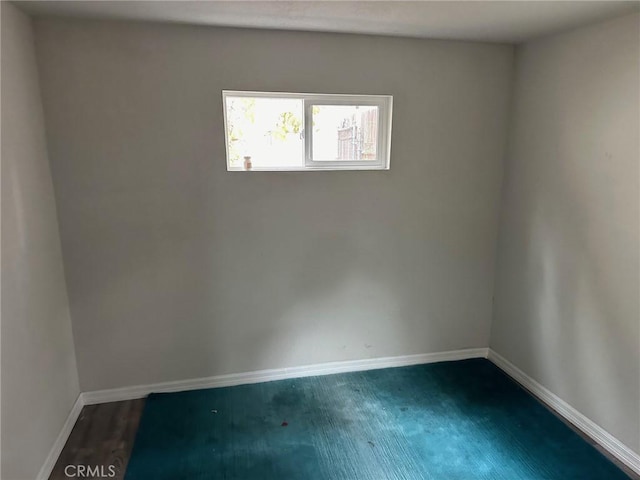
<point>490,21</point>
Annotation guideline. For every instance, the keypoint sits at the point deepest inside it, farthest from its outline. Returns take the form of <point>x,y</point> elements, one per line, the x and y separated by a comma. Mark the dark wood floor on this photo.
<point>104,435</point>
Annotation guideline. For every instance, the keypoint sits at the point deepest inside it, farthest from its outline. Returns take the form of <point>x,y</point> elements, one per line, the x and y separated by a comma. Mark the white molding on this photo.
<point>58,445</point>
<point>140,391</point>
<point>611,444</point>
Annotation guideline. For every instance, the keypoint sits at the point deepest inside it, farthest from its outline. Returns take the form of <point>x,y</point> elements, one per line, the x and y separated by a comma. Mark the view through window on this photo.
<point>275,131</point>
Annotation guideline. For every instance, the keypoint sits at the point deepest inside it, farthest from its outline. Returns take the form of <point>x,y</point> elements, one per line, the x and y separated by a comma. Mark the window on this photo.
<point>299,131</point>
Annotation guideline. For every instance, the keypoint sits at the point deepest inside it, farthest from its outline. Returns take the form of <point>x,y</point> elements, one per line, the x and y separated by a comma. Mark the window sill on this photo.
<point>309,169</point>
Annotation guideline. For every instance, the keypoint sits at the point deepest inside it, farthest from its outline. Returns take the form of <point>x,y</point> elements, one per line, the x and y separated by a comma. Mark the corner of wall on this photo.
<point>39,368</point>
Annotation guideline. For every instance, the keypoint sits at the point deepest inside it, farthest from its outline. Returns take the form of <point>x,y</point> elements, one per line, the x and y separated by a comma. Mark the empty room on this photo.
<point>365,240</point>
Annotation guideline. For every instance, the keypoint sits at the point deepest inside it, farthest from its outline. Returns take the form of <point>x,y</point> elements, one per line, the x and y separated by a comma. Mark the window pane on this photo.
<point>269,130</point>
<point>344,132</point>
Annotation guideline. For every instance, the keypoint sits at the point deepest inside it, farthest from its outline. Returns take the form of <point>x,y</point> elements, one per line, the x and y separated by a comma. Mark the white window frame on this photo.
<point>383,147</point>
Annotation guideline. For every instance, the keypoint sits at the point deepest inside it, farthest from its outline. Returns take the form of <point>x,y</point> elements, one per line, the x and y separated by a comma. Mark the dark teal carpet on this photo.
<point>451,420</point>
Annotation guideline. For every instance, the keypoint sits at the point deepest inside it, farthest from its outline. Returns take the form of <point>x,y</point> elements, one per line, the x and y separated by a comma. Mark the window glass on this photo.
<point>344,132</point>
<point>267,130</point>
<point>303,131</point>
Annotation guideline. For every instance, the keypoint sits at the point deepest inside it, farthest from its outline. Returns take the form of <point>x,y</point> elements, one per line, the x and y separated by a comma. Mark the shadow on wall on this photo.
<point>581,261</point>
<point>323,301</point>
<point>250,288</point>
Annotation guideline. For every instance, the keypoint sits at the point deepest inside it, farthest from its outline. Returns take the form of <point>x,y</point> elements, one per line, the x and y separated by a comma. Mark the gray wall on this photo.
<point>39,378</point>
<point>177,268</point>
<point>567,290</point>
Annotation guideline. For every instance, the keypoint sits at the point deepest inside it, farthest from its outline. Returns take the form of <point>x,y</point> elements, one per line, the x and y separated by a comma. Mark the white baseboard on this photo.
<point>611,444</point>
<point>140,391</point>
<point>58,445</point>
<point>616,448</point>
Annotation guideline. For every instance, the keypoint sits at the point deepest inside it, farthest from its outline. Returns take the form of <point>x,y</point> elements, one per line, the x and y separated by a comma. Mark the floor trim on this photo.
<point>611,444</point>
<point>140,391</point>
<point>616,448</point>
<point>58,445</point>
